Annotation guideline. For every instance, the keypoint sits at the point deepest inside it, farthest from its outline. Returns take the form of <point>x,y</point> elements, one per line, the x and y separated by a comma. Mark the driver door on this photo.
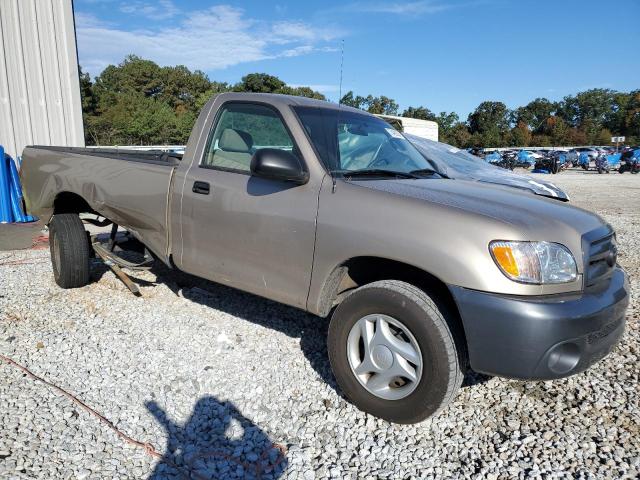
<point>251,233</point>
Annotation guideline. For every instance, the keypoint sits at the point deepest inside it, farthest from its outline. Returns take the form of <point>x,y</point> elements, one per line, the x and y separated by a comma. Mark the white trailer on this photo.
<point>420,128</point>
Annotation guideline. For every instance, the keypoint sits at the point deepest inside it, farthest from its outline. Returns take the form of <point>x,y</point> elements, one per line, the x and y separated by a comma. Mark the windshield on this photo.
<point>450,160</point>
<point>347,142</point>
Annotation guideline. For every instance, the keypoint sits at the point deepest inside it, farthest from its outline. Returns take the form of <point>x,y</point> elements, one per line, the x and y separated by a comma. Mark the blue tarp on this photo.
<point>493,157</point>
<point>584,158</point>
<point>614,159</point>
<point>525,156</point>
<point>10,192</point>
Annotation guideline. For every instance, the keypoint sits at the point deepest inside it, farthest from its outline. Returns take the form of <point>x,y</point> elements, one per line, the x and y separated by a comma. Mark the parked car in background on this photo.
<point>630,160</point>
<point>526,158</point>
<point>552,161</point>
<point>328,209</point>
<point>574,154</point>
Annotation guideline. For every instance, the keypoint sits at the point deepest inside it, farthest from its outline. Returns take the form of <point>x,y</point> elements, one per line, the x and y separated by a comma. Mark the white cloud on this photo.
<point>161,10</point>
<point>88,20</point>
<point>415,8</point>
<point>292,31</point>
<point>409,8</point>
<point>211,39</point>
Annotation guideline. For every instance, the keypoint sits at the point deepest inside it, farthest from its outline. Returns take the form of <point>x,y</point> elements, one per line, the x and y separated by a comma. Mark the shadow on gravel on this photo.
<point>310,329</point>
<point>217,442</point>
<point>472,378</point>
<point>295,323</point>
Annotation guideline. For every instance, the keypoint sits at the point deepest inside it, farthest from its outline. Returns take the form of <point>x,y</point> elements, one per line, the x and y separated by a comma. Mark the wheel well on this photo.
<point>69,202</point>
<point>360,271</point>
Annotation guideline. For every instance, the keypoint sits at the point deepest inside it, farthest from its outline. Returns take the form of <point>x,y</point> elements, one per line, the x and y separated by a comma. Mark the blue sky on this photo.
<point>447,55</point>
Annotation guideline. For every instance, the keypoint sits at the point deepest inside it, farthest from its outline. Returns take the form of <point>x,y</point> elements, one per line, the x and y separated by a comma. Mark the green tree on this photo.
<point>215,88</point>
<point>181,88</point>
<point>535,113</point>
<point>422,113</point>
<point>520,135</point>
<point>259,83</point>
<point>138,102</point>
<point>489,117</point>
<point>541,140</point>
<point>557,129</point>
<point>631,119</point>
<point>593,107</point>
<point>351,100</point>
<point>459,136</point>
<point>302,92</point>
<point>135,120</point>
<point>376,105</point>
<point>89,102</point>
<point>447,122</point>
<point>381,105</point>
<point>603,137</point>
<point>134,74</point>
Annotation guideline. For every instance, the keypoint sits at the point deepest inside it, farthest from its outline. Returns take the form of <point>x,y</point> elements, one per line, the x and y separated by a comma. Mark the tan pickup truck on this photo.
<point>331,210</point>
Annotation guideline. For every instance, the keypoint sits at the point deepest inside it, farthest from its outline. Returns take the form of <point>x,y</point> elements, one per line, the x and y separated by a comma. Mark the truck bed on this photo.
<point>128,187</point>
<point>146,156</point>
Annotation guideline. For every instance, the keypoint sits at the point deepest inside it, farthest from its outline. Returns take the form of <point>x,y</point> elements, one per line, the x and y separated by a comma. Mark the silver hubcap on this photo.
<point>384,356</point>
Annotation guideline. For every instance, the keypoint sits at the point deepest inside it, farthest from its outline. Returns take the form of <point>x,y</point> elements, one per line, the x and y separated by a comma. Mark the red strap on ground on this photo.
<point>148,447</point>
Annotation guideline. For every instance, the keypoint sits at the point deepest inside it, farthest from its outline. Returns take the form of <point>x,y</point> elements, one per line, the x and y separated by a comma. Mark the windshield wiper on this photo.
<point>376,172</point>
<point>427,171</point>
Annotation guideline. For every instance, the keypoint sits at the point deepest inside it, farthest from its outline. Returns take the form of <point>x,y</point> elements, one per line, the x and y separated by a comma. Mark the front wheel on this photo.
<point>392,352</point>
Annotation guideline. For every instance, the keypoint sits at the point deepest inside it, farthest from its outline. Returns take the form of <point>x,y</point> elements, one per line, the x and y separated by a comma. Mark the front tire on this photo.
<point>393,353</point>
<point>69,250</point>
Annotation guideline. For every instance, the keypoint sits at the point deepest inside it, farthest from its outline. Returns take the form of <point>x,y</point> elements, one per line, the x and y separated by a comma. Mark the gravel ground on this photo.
<point>217,379</point>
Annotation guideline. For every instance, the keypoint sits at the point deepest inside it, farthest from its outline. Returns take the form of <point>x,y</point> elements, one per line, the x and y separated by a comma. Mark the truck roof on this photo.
<point>279,100</point>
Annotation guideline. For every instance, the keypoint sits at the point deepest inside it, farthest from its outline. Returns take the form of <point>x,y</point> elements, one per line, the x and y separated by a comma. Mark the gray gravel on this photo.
<point>216,378</point>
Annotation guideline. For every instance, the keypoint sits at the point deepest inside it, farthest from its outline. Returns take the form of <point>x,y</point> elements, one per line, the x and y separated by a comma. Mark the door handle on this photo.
<point>201,188</point>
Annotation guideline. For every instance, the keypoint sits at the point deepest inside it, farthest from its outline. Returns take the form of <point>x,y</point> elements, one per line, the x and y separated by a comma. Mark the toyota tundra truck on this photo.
<point>329,209</point>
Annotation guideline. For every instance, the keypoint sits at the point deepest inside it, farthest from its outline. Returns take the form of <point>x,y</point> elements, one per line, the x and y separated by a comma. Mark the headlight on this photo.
<point>534,262</point>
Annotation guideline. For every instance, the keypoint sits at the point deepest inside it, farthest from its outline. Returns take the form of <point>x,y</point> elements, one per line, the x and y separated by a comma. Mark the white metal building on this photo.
<point>39,80</point>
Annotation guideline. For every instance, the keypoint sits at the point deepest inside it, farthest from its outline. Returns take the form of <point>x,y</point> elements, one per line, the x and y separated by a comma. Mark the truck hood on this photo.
<point>460,165</point>
<point>510,179</point>
<point>532,213</point>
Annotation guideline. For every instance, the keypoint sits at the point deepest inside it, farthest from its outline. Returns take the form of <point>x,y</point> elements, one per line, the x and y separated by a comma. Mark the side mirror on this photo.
<point>278,164</point>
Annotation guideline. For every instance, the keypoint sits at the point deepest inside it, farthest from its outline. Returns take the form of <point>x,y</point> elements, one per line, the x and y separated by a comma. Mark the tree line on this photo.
<point>591,117</point>
<point>140,103</point>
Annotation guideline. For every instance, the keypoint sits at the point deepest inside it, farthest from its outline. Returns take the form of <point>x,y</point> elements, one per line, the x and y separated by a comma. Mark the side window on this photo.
<point>241,130</point>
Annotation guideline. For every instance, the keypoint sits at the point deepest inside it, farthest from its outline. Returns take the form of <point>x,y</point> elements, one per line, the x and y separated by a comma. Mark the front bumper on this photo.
<point>543,337</point>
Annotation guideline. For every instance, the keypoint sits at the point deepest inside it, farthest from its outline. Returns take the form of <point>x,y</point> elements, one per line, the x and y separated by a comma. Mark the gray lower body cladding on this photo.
<point>543,337</point>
